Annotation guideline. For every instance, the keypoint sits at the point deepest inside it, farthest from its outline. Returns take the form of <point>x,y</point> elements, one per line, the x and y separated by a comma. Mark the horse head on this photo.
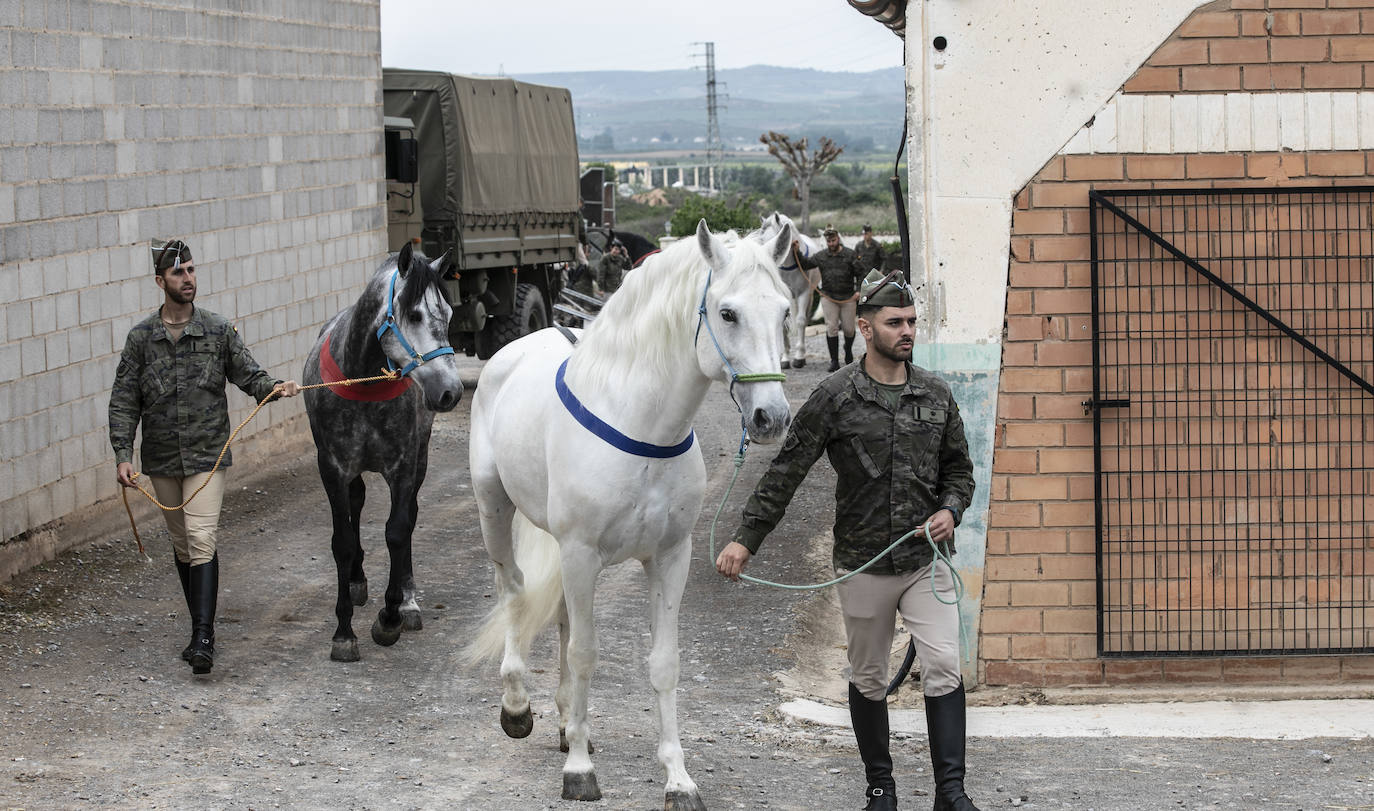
<point>413,331</point>
<point>743,310</point>
<point>772,224</point>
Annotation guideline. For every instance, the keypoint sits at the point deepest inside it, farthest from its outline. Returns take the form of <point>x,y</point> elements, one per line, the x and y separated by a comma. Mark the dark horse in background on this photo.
<point>399,323</point>
<point>637,247</point>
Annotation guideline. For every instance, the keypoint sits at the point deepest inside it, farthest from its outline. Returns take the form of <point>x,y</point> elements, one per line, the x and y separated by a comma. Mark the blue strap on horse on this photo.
<point>416,359</point>
<point>607,433</point>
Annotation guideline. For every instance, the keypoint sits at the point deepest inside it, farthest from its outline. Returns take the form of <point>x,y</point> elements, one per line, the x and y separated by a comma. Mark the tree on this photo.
<point>800,165</point>
<point>719,216</point>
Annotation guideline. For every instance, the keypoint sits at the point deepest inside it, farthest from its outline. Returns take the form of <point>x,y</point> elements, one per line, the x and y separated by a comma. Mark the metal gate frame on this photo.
<point>1140,617</point>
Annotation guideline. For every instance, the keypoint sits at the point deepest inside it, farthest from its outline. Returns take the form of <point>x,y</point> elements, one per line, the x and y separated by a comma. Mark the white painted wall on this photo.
<point>1016,81</point>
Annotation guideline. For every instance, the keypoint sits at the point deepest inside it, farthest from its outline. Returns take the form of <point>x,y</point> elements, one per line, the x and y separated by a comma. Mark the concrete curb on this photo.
<point>1276,720</point>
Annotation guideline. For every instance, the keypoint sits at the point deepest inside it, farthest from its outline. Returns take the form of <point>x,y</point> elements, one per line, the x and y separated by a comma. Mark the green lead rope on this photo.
<point>940,555</point>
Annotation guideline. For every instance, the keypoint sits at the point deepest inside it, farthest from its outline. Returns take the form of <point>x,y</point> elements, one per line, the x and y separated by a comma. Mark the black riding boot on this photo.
<point>871,733</point>
<point>184,574</point>
<point>848,349</point>
<point>204,594</point>
<point>946,725</point>
<point>833,344</point>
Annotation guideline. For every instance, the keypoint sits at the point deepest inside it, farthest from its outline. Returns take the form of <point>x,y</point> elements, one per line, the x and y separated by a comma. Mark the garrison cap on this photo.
<point>890,290</point>
<point>167,254</point>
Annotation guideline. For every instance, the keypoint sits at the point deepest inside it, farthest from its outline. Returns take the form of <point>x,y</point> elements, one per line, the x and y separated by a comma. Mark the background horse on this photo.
<point>399,322</point>
<point>800,285</point>
<point>637,247</point>
<point>592,445</point>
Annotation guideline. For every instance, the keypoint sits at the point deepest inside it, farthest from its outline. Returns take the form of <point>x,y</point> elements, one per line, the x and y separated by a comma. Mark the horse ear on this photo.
<point>438,265</point>
<point>404,258</point>
<point>782,243</point>
<point>712,249</point>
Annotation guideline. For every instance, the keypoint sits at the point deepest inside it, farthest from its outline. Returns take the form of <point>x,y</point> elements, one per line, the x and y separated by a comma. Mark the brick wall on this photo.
<point>254,134</point>
<point>1260,93</point>
<point>1040,611</point>
<point>1265,45</point>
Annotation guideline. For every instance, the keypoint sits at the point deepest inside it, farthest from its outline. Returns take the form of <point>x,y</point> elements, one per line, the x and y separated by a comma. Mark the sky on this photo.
<point>545,36</point>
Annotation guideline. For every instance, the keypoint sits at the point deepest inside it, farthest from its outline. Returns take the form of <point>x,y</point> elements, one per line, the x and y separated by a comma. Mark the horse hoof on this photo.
<point>787,364</point>
<point>683,801</point>
<point>517,726</point>
<point>580,786</point>
<point>563,743</point>
<point>345,650</point>
<point>384,636</point>
<point>410,620</point>
<point>799,363</point>
<point>357,592</point>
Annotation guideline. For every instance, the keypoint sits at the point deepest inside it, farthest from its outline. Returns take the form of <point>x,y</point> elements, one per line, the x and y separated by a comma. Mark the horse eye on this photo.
<point>416,317</point>
<point>728,316</point>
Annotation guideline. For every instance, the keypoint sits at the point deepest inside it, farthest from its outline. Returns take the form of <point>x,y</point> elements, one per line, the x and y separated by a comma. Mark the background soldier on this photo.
<point>840,277</point>
<point>870,251</point>
<point>893,434</point>
<point>610,269</point>
<point>171,377</point>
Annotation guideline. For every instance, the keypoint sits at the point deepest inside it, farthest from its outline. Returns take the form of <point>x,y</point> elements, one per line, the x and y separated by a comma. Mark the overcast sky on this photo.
<point>541,36</point>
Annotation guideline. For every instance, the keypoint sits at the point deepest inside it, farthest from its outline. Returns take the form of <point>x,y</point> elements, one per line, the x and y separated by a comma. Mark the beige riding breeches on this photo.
<point>871,602</point>
<point>194,527</point>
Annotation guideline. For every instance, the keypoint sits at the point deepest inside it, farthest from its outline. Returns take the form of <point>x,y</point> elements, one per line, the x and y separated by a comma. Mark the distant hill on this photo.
<point>862,110</point>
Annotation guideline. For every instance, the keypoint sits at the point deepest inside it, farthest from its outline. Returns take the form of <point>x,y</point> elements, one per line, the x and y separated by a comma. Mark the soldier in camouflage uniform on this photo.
<point>870,252</point>
<point>610,269</point>
<point>840,277</point>
<point>171,378</point>
<point>893,434</point>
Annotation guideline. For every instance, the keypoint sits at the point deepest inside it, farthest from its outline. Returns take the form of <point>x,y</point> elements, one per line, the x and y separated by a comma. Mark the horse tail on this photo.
<point>535,606</point>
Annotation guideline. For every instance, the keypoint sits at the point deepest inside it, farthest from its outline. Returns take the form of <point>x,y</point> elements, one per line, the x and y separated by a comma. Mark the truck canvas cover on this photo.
<point>507,147</point>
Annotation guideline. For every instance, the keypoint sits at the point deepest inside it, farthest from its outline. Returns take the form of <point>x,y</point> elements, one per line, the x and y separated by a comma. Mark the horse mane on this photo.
<point>419,279</point>
<point>651,320</point>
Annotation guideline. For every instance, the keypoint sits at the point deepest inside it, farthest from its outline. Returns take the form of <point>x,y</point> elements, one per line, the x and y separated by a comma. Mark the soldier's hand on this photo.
<point>732,560</point>
<point>941,526</point>
<point>288,388</point>
<point>124,474</point>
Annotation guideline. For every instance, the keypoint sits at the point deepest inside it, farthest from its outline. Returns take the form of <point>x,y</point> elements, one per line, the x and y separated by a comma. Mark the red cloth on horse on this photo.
<point>381,390</point>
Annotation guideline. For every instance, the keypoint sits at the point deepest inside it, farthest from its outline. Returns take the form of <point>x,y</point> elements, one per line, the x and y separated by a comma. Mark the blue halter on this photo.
<point>610,435</point>
<point>416,359</point>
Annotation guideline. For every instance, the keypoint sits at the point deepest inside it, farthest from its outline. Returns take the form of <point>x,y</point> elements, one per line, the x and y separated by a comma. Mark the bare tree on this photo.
<point>800,166</point>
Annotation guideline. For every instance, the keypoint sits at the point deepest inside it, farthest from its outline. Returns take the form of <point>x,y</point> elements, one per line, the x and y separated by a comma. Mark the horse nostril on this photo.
<point>761,419</point>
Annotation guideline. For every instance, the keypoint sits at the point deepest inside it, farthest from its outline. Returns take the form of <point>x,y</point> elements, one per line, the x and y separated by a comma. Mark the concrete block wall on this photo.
<point>252,130</point>
<point>1039,618</point>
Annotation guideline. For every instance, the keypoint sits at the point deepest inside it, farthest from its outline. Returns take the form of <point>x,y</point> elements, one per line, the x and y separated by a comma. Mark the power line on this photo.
<point>715,150</point>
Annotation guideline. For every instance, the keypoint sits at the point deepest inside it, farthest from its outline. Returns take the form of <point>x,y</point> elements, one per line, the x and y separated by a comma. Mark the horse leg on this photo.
<point>387,627</point>
<point>580,567</point>
<point>357,585</point>
<point>667,575</point>
<point>796,322</point>
<point>344,544</point>
<point>563,695</point>
<point>496,512</point>
<point>410,610</point>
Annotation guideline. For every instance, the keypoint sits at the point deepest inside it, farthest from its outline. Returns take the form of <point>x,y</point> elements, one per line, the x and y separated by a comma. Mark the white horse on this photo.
<point>800,285</point>
<point>592,445</point>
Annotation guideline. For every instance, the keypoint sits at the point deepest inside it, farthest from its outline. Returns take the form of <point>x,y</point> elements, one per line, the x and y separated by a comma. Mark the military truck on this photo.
<point>486,168</point>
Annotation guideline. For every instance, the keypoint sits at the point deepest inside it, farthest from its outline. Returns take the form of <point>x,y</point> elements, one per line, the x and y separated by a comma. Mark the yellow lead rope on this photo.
<point>385,375</point>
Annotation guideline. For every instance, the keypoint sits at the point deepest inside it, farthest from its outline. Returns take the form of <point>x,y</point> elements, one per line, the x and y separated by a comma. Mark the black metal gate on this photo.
<point>1233,417</point>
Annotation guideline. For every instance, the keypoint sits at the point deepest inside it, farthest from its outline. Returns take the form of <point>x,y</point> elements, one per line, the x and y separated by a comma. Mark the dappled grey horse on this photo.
<point>400,323</point>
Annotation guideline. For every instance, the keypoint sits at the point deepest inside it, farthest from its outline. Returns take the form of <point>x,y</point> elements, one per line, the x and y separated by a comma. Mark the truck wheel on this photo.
<point>528,316</point>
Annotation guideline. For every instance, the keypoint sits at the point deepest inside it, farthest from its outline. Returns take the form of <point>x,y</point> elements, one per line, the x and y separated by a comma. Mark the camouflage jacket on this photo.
<point>177,391</point>
<point>840,272</point>
<point>609,271</point>
<point>893,470</point>
<point>870,257</point>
